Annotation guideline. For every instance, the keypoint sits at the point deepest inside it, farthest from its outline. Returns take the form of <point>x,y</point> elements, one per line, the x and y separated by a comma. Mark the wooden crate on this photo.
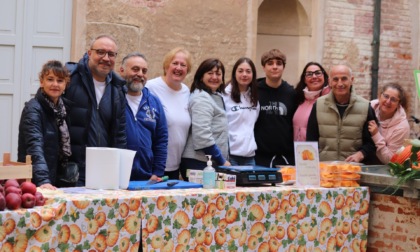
<point>15,170</point>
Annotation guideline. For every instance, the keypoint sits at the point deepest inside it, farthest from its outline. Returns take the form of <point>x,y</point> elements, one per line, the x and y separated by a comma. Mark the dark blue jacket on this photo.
<point>94,125</point>
<point>39,137</point>
<point>147,133</point>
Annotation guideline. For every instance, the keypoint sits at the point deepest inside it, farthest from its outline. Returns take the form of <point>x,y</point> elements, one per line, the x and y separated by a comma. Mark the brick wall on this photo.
<point>394,224</point>
<point>349,34</point>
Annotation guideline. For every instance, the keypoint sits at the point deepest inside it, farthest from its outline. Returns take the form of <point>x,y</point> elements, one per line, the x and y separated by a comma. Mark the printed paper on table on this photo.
<point>307,164</point>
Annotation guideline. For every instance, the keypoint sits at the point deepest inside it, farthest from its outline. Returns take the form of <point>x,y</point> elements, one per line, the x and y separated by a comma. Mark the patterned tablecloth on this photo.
<point>241,219</point>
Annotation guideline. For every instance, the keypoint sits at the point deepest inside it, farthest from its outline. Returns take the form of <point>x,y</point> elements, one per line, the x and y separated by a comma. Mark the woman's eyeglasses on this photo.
<point>317,73</point>
<point>391,98</point>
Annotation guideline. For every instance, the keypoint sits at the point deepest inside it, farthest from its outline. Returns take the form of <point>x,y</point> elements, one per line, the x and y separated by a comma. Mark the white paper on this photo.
<point>307,164</point>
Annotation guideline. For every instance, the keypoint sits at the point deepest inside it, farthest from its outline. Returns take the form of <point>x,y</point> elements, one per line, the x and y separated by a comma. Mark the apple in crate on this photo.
<point>13,201</point>
<point>2,190</point>
<point>13,189</point>
<point>40,200</point>
<point>28,200</point>
<point>2,202</point>
<point>28,187</point>
<point>11,182</point>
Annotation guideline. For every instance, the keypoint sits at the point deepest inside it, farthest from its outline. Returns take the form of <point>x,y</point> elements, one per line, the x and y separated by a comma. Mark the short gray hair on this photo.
<point>133,54</point>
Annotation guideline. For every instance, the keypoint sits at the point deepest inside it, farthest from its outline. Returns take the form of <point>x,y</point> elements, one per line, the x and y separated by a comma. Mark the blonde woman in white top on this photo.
<point>174,95</point>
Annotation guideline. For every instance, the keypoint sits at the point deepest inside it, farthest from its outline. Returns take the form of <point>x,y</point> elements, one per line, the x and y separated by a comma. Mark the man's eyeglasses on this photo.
<point>101,53</point>
<point>391,98</point>
<point>317,73</point>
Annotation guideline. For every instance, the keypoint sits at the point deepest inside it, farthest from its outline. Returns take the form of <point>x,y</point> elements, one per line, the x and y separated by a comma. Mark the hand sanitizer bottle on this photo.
<point>209,175</point>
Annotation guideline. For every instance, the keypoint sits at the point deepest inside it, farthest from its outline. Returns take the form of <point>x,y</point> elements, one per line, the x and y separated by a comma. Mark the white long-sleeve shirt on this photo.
<point>241,120</point>
<point>175,104</point>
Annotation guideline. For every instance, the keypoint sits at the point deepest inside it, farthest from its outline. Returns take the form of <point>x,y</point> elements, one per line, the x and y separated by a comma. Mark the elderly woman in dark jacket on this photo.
<point>43,131</point>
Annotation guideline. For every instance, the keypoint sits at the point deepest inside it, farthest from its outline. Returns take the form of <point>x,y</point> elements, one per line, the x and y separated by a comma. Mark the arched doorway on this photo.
<point>291,26</point>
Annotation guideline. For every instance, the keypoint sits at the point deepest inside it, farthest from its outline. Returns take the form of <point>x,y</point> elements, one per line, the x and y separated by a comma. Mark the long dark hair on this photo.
<point>236,93</point>
<point>300,96</point>
<point>206,66</point>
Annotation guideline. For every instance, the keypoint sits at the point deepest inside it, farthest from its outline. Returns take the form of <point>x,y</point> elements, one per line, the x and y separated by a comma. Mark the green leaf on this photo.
<point>251,217</point>
<point>133,238</point>
<point>172,207</point>
<point>288,217</point>
<point>232,246</point>
<point>63,246</point>
<point>176,225</point>
<point>90,214</point>
<point>111,214</point>
<point>30,233</point>
<point>45,246</point>
<point>193,221</point>
<point>302,196</point>
<point>231,199</point>
<point>215,221</point>
<point>249,200</point>
<point>86,245</point>
<point>167,221</point>
<point>318,197</point>
<point>21,222</point>
<point>119,224</point>
<point>302,241</point>
<point>151,208</point>
<point>193,232</point>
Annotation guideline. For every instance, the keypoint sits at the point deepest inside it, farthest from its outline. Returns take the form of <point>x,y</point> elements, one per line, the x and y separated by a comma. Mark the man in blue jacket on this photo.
<point>96,108</point>
<point>146,128</point>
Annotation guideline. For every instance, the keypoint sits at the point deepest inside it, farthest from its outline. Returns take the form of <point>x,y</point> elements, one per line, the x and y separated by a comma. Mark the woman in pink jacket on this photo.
<point>390,109</point>
<point>313,83</point>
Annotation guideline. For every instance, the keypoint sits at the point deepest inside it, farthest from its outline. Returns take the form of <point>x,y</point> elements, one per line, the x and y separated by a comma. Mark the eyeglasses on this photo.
<point>318,73</point>
<point>391,98</point>
<point>101,53</point>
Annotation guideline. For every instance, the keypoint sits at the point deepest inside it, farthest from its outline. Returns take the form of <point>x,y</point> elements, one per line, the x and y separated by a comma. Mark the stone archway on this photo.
<point>288,25</point>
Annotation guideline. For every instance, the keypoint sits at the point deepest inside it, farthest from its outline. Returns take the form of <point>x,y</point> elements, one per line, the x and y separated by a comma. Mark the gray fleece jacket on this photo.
<point>209,125</point>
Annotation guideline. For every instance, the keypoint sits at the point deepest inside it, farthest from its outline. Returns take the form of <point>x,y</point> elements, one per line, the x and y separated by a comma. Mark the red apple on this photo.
<point>2,202</point>
<point>12,189</point>
<point>11,182</point>
<point>28,187</point>
<point>13,201</point>
<point>40,200</point>
<point>2,190</point>
<point>28,200</point>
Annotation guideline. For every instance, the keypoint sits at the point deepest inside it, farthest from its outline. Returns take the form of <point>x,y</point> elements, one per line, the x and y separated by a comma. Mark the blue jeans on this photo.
<point>238,160</point>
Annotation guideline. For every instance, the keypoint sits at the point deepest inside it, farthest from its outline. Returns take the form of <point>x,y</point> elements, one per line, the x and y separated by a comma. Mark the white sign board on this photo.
<point>307,164</point>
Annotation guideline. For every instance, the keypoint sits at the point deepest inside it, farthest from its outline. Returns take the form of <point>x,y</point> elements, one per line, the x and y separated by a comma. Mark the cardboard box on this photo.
<point>195,176</point>
<point>225,181</point>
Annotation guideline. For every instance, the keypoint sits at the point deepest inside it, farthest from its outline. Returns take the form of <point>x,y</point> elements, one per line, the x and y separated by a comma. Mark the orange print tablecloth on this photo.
<point>256,219</point>
<point>78,220</point>
<point>241,219</point>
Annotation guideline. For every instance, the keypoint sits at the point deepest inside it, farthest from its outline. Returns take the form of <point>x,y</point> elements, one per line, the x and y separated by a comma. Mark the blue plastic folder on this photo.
<point>142,185</point>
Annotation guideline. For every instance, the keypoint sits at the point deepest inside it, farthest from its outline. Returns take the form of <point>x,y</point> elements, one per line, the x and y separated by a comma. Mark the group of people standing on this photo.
<point>244,121</point>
